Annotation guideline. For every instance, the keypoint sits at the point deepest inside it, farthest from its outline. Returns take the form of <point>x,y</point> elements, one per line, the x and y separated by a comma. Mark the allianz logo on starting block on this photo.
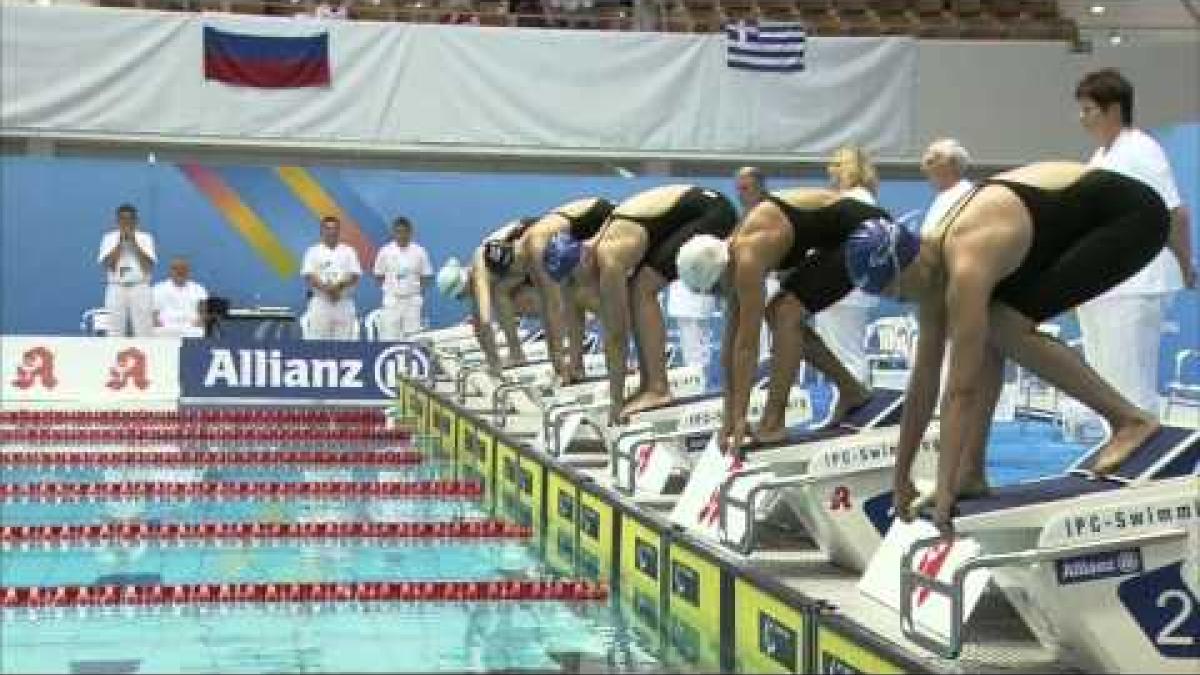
<point>1098,566</point>
<point>356,370</point>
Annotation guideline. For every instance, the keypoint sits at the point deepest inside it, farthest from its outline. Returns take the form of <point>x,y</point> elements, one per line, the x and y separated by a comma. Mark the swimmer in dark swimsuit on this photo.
<point>800,232</point>
<point>1022,248</point>
<point>551,245</point>
<point>496,278</point>
<point>628,262</point>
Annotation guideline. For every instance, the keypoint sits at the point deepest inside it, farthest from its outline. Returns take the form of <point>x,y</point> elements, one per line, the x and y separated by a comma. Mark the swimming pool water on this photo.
<point>618,635</point>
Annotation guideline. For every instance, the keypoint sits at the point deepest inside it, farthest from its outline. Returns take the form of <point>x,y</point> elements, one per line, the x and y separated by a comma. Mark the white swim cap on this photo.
<point>452,278</point>
<point>701,261</point>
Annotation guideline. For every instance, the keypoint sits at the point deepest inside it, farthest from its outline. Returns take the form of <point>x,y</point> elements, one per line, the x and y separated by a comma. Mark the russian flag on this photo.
<point>266,61</point>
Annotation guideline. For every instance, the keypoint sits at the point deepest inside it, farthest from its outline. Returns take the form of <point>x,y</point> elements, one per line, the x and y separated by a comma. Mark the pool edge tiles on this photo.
<point>756,610</point>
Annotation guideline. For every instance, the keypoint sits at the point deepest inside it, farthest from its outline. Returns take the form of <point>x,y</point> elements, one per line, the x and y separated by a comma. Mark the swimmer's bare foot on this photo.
<point>847,402</point>
<point>1125,439</point>
<point>764,434</point>
<point>943,518</point>
<point>906,500</point>
<point>645,401</point>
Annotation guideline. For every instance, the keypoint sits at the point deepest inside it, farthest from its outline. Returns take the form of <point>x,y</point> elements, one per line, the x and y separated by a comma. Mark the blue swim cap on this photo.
<point>562,256</point>
<point>877,250</point>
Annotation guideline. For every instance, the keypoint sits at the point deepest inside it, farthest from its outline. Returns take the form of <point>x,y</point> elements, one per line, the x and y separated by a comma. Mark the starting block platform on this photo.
<point>1102,571</point>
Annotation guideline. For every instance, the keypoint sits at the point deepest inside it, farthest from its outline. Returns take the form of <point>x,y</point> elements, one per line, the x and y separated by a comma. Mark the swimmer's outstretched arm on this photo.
<point>920,399</point>
<point>554,315</point>
<point>481,287</point>
<point>614,313</point>
<point>747,278</point>
<point>968,295</point>
<point>506,314</point>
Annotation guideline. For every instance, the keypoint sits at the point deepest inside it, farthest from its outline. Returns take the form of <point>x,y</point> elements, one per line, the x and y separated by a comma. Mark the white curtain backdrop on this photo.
<point>97,70</point>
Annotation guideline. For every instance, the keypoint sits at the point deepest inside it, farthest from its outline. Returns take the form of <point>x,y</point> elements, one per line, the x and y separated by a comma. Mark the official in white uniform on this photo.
<point>128,258</point>
<point>403,270</point>
<point>331,269</point>
<point>844,325</point>
<point>945,165</point>
<point>177,303</point>
<point>1122,329</point>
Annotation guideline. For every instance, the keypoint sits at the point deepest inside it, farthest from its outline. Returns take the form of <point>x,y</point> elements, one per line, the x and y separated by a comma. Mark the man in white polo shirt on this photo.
<point>1122,329</point>
<point>944,165</point>
<point>128,258</point>
<point>177,303</point>
<point>402,268</point>
<point>331,269</point>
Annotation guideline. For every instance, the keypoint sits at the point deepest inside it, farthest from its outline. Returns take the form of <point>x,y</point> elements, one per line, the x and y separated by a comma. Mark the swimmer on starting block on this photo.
<point>628,262</point>
<point>552,245</point>
<point>493,278</point>
<point>800,232</point>
<point>1019,249</point>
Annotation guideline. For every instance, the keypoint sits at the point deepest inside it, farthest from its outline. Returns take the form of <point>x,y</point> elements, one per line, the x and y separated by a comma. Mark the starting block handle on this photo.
<point>750,504</point>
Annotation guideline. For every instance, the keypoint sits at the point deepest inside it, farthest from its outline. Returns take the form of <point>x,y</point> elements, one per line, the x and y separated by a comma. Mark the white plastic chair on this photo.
<point>96,321</point>
<point>890,343</point>
<point>1184,388</point>
<point>371,324</point>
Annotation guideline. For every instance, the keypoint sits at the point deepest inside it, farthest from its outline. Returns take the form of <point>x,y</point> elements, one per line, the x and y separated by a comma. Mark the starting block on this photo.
<point>579,408</point>
<point>836,479</point>
<point>1102,571</point>
<point>660,441</point>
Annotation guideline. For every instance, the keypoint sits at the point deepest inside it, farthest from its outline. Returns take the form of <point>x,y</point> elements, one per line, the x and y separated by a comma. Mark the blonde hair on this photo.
<point>854,164</point>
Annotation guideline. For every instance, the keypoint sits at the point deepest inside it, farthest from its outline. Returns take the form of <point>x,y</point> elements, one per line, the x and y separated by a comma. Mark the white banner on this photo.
<point>96,70</point>
<point>88,372</point>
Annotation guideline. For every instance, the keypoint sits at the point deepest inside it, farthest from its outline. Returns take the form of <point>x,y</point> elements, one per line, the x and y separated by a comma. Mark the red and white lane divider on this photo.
<point>108,459</point>
<point>41,434</point>
<point>279,593</point>
<point>173,532</point>
<point>369,416</point>
<point>239,490</point>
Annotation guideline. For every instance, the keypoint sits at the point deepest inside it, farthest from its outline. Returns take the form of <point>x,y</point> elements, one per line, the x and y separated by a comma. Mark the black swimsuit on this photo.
<point>585,225</point>
<point>814,269</point>
<point>1087,238</point>
<point>697,211</point>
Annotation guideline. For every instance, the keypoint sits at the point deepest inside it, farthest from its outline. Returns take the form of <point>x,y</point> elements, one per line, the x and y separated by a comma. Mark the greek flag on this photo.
<point>774,46</point>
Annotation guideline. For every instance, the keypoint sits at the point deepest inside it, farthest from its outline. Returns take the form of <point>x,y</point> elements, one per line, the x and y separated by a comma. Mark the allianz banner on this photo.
<point>315,370</point>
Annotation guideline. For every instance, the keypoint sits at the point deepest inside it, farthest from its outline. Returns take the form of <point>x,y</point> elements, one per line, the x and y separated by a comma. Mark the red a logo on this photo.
<point>644,453</point>
<point>840,499</point>
<point>130,368</point>
<point>37,363</point>
<point>932,561</point>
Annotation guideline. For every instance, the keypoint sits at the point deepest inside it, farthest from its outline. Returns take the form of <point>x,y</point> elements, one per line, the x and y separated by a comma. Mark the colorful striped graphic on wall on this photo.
<point>243,219</point>
<point>277,210</point>
<point>317,199</point>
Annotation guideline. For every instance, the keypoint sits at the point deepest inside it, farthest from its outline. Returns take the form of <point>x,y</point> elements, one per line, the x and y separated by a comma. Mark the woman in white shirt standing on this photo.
<point>128,258</point>
<point>843,325</point>
<point>331,269</point>
<point>1122,329</point>
<point>403,270</point>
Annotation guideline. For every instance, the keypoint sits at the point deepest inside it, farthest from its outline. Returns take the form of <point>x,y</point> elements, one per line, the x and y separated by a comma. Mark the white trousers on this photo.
<point>129,305</point>
<point>1122,336</point>
<point>330,321</point>
<point>400,320</point>
<point>695,339</point>
<point>842,326</point>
